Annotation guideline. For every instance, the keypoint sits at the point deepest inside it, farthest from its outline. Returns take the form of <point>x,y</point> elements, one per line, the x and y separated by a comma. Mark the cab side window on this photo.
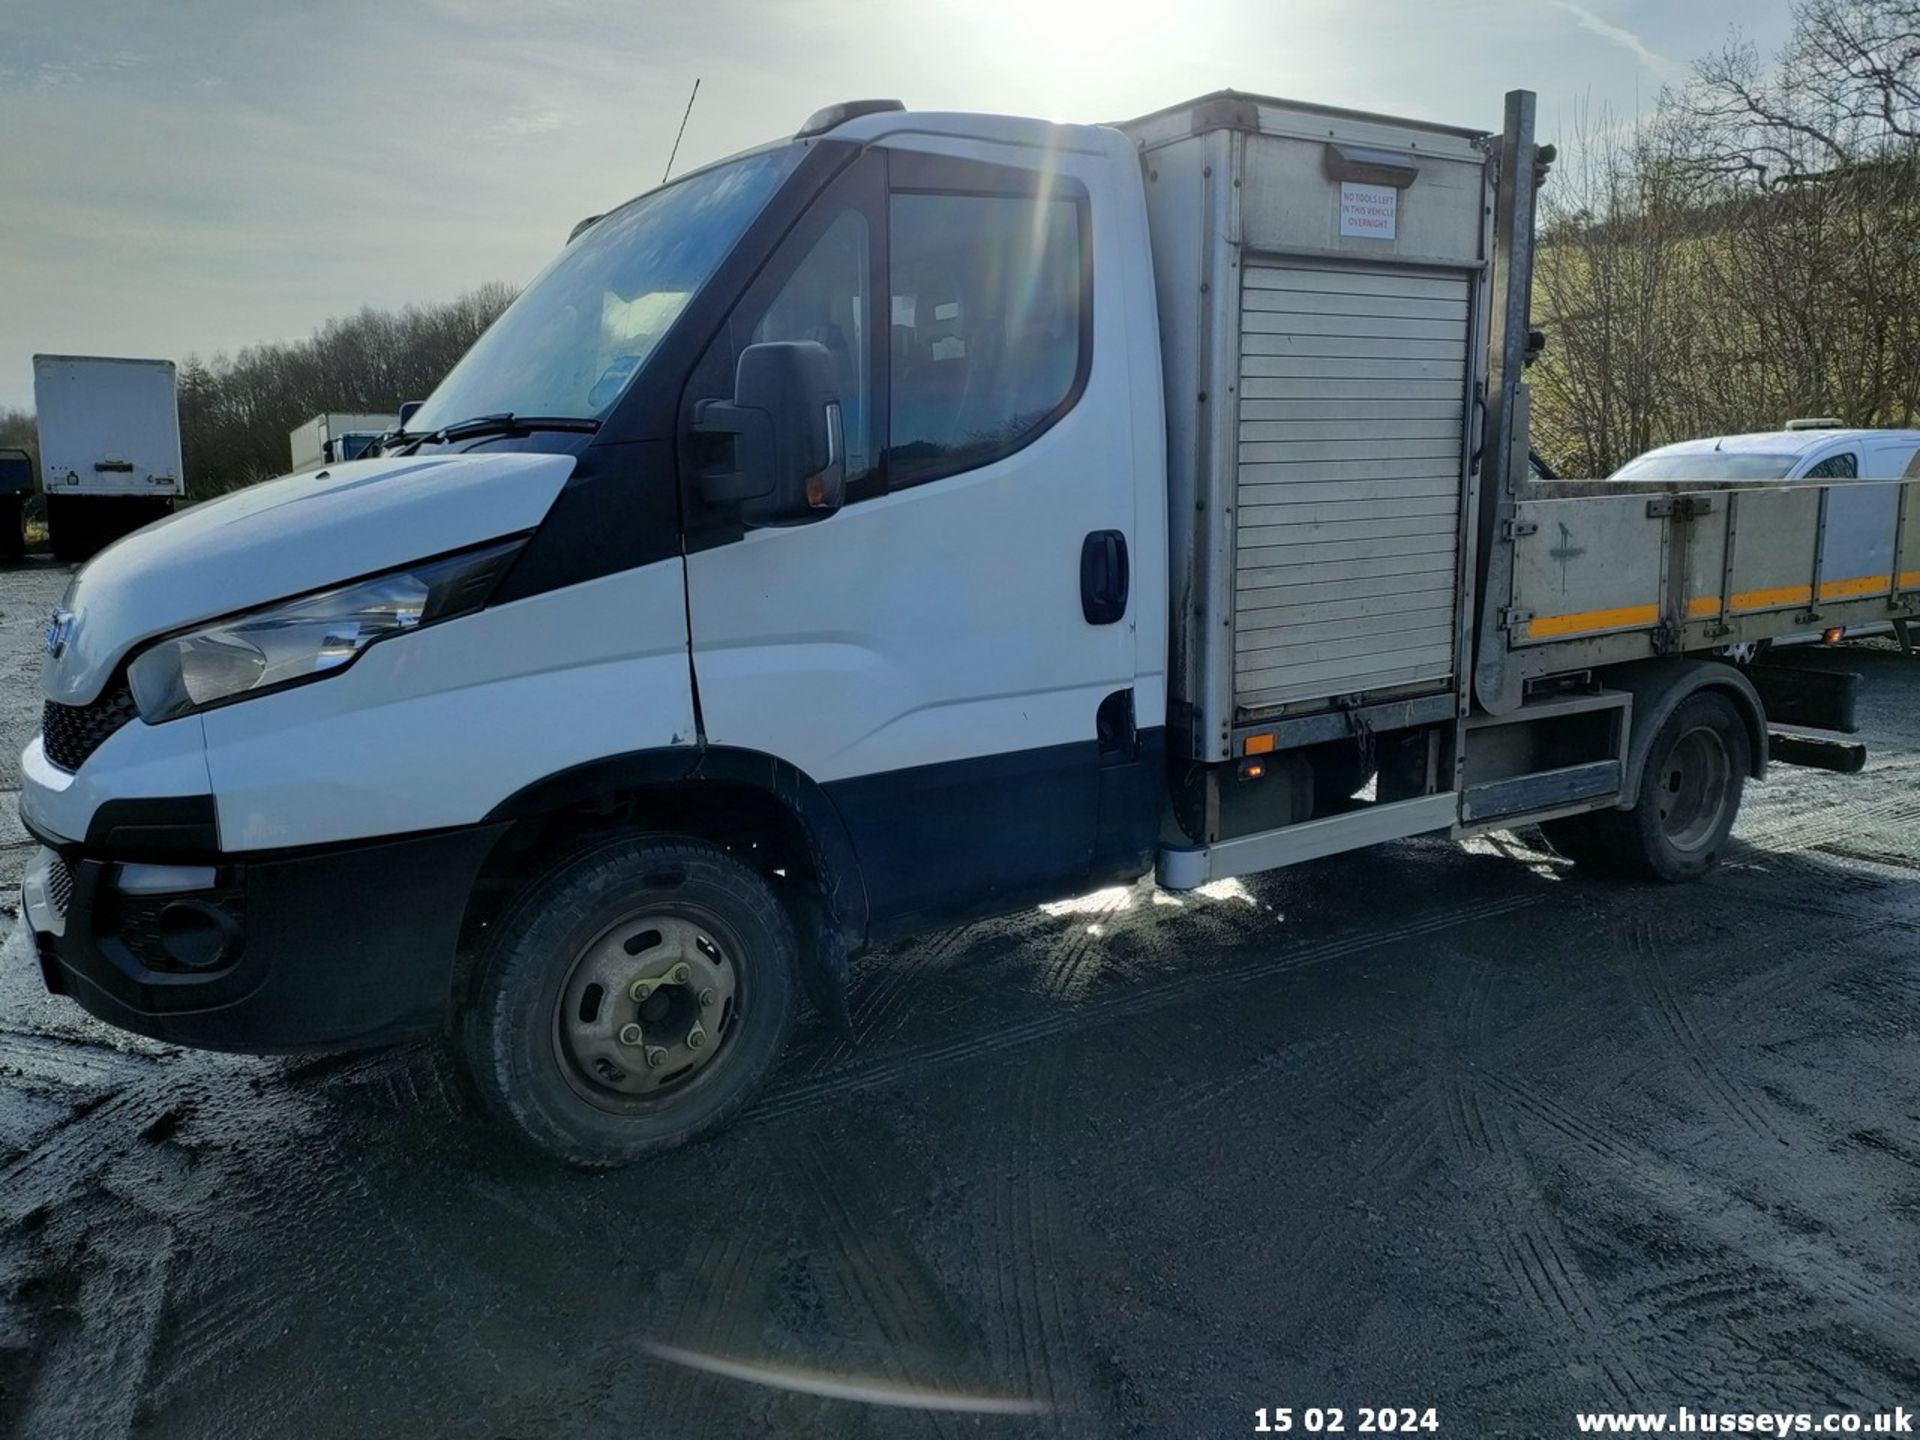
<point>1844,466</point>
<point>988,326</point>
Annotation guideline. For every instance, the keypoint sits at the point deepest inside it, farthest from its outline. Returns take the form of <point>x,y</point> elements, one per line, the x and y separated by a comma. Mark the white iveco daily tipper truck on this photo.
<point>913,519</point>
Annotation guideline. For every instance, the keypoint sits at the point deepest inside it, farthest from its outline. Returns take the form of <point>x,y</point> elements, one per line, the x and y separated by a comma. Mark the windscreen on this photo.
<point>1707,465</point>
<point>586,324</point>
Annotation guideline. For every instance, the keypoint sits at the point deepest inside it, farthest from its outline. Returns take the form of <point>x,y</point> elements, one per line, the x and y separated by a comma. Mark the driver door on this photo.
<point>929,653</point>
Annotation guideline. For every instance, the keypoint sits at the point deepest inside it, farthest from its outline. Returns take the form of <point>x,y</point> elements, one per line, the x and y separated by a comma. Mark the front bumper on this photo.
<point>330,947</point>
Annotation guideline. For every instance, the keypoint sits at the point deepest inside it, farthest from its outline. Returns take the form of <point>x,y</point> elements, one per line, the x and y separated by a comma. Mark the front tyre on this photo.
<point>631,1000</point>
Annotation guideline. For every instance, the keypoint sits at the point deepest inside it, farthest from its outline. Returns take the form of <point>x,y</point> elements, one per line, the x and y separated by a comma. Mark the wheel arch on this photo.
<point>1659,687</point>
<point>711,791</point>
<point>722,793</point>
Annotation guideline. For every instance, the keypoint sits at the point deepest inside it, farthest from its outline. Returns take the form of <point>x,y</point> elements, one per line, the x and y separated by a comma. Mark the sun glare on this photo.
<point>1078,34</point>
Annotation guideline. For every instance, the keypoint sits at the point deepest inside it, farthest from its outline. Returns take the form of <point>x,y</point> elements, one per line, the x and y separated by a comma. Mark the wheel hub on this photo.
<point>647,1006</point>
<point>1693,788</point>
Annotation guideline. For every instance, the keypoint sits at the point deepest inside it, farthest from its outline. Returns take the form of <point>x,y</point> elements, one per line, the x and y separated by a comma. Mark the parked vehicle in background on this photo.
<point>16,488</point>
<point>330,438</point>
<point>917,518</point>
<point>109,447</point>
<point>1811,450</point>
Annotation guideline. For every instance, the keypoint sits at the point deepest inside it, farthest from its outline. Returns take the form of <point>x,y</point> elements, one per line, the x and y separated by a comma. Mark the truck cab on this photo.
<point>829,527</point>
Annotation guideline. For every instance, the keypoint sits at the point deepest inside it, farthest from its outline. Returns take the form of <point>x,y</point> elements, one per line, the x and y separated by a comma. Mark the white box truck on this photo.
<point>921,517</point>
<point>331,438</point>
<point>109,447</point>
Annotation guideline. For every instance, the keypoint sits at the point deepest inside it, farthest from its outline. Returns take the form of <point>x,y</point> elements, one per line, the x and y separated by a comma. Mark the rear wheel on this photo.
<point>13,535</point>
<point>633,999</point>
<point>79,526</point>
<point>1689,797</point>
<point>68,530</point>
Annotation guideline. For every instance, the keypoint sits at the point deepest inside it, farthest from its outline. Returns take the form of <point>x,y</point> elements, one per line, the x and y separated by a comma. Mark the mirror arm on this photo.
<point>752,432</point>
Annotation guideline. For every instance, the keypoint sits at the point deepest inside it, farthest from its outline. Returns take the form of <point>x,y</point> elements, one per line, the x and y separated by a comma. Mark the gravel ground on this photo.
<point>1434,1126</point>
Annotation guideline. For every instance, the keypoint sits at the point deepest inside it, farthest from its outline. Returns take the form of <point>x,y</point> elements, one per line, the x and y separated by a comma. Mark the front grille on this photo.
<point>73,732</point>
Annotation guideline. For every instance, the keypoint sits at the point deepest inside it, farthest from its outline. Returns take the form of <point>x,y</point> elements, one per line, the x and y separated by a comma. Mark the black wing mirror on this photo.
<point>789,461</point>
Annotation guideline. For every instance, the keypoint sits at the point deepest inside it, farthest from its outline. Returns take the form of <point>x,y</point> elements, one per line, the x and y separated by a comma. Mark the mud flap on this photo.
<point>824,954</point>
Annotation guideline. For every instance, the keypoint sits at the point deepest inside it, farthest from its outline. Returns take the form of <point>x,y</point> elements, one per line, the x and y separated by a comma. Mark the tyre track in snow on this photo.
<point>93,1376</point>
<point>1690,1046</point>
<point>722,1302</point>
<point>1725,1220</point>
<point>877,1009</point>
<point>1511,1222</point>
<point>1036,1324</point>
<point>894,1304</point>
<point>1058,1021</point>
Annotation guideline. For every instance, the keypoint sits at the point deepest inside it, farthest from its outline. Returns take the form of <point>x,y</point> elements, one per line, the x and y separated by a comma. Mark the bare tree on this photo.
<point>1752,253</point>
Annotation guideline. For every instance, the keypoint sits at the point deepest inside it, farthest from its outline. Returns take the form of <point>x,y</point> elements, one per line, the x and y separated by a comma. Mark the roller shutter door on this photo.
<point>1351,430</point>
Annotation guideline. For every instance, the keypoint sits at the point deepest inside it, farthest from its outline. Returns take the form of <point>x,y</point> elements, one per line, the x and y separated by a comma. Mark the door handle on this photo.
<point>1103,577</point>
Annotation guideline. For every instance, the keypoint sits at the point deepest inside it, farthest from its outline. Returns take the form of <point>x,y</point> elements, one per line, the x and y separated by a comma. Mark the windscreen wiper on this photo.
<point>507,423</point>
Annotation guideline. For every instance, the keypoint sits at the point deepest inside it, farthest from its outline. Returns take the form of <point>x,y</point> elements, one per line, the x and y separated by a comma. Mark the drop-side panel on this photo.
<point>1347,518</point>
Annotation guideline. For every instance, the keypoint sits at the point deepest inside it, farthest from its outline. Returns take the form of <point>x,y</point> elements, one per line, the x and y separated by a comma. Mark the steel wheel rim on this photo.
<point>1693,785</point>
<point>648,1009</point>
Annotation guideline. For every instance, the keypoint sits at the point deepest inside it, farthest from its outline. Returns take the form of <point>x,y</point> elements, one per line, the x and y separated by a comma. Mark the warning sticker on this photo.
<point>1367,210</point>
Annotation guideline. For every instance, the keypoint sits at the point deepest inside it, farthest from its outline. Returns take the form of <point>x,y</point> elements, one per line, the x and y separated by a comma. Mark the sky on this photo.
<point>195,176</point>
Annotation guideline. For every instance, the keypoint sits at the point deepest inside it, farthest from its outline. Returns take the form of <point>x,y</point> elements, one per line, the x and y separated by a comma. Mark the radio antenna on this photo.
<point>683,130</point>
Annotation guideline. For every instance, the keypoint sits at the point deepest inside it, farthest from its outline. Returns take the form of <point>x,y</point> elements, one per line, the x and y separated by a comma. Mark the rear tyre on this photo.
<point>13,534</point>
<point>80,526</point>
<point>632,999</point>
<point>1690,795</point>
<point>69,529</point>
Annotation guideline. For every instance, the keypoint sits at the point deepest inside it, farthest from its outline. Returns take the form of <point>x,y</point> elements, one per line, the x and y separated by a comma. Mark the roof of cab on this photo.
<point>960,125</point>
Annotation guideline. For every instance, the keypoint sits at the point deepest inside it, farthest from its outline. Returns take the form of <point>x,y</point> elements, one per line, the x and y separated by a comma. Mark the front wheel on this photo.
<point>1689,797</point>
<point>631,1000</point>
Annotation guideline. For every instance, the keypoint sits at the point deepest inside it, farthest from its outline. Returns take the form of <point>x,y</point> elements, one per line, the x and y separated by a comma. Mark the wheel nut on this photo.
<point>656,1056</point>
<point>696,1037</point>
<point>707,998</point>
<point>641,989</point>
<point>680,974</point>
<point>629,1034</point>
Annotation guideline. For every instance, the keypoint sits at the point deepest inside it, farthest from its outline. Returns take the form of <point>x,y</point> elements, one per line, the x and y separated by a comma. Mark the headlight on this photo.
<point>304,639</point>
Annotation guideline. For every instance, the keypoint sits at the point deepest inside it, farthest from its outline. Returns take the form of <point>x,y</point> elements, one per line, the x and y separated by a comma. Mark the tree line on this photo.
<point>1749,253</point>
<point>235,411</point>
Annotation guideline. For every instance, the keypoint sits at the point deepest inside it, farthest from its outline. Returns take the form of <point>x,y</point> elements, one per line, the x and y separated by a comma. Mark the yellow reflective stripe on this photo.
<point>1859,585</point>
<point>1544,627</point>
<point>1703,607</point>
<point>1769,599</point>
